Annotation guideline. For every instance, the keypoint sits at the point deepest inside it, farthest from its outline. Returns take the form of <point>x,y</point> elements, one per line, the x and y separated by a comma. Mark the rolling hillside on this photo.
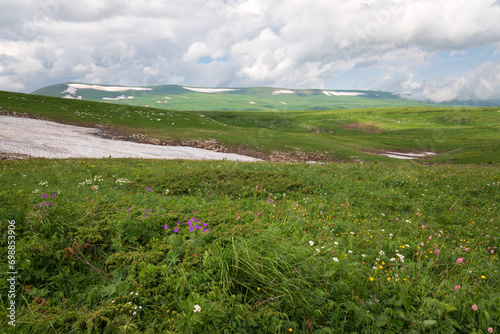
<point>453,135</point>
<point>174,97</point>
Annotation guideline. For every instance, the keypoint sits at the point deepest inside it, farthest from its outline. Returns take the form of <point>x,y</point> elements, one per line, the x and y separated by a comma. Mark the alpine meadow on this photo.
<point>371,217</point>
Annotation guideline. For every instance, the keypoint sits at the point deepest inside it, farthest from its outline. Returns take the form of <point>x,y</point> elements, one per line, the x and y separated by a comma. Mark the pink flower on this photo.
<point>422,244</point>
<point>467,249</point>
<point>457,287</point>
<point>423,227</point>
<point>436,252</point>
<point>490,330</point>
<point>460,260</point>
<point>492,251</point>
<point>418,213</point>
<point>430,237</point>
<point>474,307</point>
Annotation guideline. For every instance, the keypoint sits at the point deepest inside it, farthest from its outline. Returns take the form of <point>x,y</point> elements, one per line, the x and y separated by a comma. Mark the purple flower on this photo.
<point>166,226</point>
<point>176,230</point>
<point>178,223</point>
<point>54,195</point>
<point>189,223</point>
<point>43,195</point>
<point>206,230</point>
<point>191,229</point>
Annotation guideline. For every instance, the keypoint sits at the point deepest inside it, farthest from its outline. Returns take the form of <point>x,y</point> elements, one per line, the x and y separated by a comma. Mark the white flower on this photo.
<point>390,235</point>
<point>381,253</point>
<point>140,306</point>
<point>374,268</point>
<point>363,255</point>
<point>382,214</point>
<point>317,250</point>
<point>134,313</point>
<point>112,301</point>
<point>393,259</point>
<point>335,243</point>
<point>335,259</point>
<point>352,232</point>
<point>197,308</point>
<point>311,243</point>
<point>136,293</point>
<point>349,251</point>
<point>132,292</point>
<point>383,230</point>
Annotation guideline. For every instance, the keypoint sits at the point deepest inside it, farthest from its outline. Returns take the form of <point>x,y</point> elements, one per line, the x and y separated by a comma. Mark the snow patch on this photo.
<point>283,91</point>
<point>107,88</point>
<point>406,156</point>
<point>210,90</point>
<point>121,97</point>
<point>251,102</point>
<point>283,102</point>
<point>72,97</point>
<point>333,93</point>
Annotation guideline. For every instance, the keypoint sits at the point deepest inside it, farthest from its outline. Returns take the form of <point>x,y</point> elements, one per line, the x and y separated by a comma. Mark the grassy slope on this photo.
<point>460,135</point>
<point>262,98</point>
<point>255,271</point>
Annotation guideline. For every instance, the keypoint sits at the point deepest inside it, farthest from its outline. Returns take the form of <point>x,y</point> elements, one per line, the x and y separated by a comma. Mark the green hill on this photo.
<point>455,135</point>
<point>174,97</point>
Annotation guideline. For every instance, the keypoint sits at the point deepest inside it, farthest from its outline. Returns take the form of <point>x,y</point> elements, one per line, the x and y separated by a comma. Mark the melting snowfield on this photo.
<point>51,140</point>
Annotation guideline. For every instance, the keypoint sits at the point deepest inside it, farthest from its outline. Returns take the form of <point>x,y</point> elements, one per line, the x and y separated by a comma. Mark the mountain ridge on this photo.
<point>178,97</point>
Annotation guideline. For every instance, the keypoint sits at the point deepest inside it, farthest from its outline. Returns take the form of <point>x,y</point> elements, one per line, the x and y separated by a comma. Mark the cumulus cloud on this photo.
<point>391,44</point>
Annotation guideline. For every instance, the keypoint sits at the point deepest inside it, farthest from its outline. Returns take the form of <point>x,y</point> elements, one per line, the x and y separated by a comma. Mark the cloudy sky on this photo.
<point>432,49</point>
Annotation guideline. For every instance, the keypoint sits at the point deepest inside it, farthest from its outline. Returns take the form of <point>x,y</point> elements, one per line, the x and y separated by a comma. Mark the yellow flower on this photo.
<point>381,267</point>
<point>483,277</point>
<point>371,279</point>
<point>388,278</point>
<point>290,330</point>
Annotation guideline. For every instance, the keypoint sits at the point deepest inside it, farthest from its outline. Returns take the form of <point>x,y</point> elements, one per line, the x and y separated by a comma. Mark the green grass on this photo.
<point>266,265</point>
<point>458,135</point>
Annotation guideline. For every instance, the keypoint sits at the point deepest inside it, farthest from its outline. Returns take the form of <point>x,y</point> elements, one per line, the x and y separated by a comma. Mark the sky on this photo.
<point>430,50</point>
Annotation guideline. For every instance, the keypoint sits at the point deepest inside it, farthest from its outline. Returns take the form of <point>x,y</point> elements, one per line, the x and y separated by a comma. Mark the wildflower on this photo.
<point>436,252</point>
<point>388,279</point>
<point>176,230</point>
<point>492,251</point>
<point>422,244</point>
<point>371,279</point>
<point>363,255</point>
<point>311,243</point>
<point>197,308</point>
<point>335,259</point>
<point>460,260</point>
<point>134,313</point>
<point>490,330</point>
<point>393,259</point>
<point>467,249</point>
<point>349,251</point>
<point>335,243</point>
<point>381,253</point>
<point>483,277</point>
<point>457,287</point>
<point>166,226</point>
<point>317,250</point>
<point>474,307</point>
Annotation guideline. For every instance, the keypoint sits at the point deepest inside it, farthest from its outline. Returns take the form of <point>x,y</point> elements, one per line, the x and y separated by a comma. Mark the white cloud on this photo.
<point>294,44</point>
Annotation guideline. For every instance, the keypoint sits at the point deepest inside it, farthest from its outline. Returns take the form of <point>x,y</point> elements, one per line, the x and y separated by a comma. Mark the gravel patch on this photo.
<point>45,139</point>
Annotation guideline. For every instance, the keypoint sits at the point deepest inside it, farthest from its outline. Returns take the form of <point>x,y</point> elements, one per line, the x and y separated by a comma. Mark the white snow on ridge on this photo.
<point>283,91</point>
<point>121,97</point>
<point>210,90</point>
<point>106,88</point>
<point>333,93</point>
<point>67,96</point>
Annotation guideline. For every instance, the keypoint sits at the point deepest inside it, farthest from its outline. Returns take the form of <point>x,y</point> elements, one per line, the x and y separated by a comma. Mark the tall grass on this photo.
<point>132,246</point>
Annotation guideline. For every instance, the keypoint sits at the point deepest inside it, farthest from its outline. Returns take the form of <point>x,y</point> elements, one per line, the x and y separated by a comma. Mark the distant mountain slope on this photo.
<point>175,97</point>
